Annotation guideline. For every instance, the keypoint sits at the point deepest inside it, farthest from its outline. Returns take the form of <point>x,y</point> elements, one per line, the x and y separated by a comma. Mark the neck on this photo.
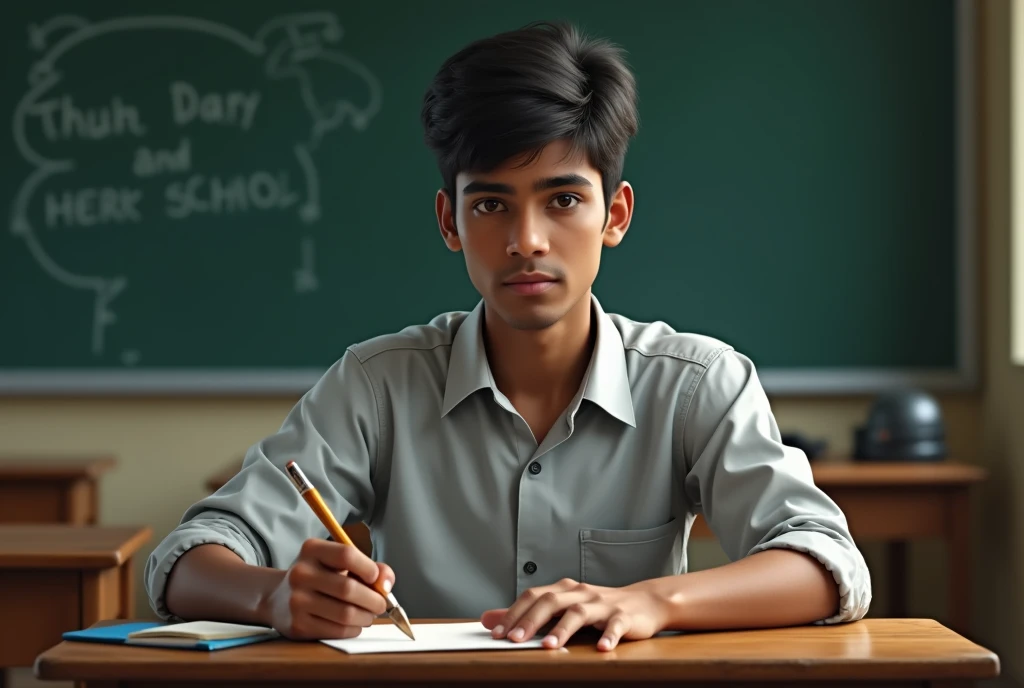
<point>541,364</point>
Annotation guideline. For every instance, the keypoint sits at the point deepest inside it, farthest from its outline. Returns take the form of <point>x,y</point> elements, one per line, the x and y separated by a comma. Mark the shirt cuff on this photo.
<point>843,560</point>
<point>181,540</point>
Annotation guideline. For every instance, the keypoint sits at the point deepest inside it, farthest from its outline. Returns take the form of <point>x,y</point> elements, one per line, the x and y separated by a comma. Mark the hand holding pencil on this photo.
<point>381,585</point>
<point>313,601</point>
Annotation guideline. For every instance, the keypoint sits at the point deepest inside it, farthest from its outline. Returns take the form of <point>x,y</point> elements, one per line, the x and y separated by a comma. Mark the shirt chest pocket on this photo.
<point>615,558</point>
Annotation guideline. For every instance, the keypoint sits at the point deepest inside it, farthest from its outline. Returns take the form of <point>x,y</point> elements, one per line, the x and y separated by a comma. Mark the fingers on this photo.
<point>309,627</point>
<point>335,611</point>
<point>618,625</point>
<point>387,575</point>
<point>573,619</point>
<point>348,589</point>
<point>525,602</point>
<point>533,610</point>
<point>340,557</point>
<point>492,617</point>
<point>315,616</point>
<point>313,577</point>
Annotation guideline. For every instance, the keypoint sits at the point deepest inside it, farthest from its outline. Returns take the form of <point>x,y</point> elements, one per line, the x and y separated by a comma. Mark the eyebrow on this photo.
<point>539,185</point>
<point>488,187</point>
<point>561,180</point>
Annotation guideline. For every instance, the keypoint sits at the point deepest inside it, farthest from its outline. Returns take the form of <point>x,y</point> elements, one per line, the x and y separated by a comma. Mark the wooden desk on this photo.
<point>872,652</point>
<point>57,578</point>
<point>51,489</point>
<point>898,502</point>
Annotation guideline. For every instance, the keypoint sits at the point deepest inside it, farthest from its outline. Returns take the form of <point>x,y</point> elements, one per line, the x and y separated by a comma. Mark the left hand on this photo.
<point>633,612</point>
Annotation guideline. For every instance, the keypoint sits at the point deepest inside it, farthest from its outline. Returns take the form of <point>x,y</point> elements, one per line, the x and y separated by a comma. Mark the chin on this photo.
<point>531,323</point>
<point>526,317</point>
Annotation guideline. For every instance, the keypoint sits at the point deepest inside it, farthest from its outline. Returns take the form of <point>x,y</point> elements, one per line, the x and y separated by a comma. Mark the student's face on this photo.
<point>532,236</point>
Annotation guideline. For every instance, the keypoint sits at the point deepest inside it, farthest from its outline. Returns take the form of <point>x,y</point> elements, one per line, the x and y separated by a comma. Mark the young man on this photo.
<point>537,461</point>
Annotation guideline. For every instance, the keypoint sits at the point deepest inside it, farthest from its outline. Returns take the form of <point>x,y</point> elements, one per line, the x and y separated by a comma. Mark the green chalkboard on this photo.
<point>223,196</point>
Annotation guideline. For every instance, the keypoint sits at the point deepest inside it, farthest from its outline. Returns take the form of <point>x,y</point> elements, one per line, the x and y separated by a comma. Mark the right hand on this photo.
<point>314,601</point>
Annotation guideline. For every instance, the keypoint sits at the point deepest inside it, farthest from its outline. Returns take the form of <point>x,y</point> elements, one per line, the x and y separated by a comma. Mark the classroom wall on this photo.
<point>167,447</point>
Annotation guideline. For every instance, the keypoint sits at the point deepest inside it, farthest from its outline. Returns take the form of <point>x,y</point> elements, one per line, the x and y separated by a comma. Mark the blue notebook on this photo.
<point>121,634</point>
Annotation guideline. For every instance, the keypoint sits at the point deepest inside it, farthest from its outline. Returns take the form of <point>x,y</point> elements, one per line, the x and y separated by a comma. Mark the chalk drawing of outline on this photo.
<point>302,33</point>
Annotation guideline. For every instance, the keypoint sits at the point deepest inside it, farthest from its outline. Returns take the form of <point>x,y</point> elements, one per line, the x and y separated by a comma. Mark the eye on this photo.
<point>488,206</point>
<point>564,202</point>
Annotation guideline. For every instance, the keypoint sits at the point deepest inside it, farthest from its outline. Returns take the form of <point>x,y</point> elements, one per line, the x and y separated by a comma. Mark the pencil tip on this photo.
<point>402,621</point>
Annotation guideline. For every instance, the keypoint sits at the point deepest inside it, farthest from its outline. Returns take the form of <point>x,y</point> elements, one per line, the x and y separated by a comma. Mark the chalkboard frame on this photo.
<point>776,381</point>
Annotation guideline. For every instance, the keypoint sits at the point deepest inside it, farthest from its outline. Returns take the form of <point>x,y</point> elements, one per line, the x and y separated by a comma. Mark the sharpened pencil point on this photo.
<point>397,614</point>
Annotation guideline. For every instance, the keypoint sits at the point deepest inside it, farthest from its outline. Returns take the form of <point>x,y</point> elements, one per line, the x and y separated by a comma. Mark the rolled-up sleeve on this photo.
<point>757,493</point>
<point>333,433</point>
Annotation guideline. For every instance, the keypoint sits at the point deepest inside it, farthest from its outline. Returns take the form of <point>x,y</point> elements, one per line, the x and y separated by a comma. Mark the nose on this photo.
<point>527,237</point>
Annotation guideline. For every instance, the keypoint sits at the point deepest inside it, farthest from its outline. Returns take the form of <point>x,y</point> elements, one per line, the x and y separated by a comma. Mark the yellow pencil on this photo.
<point>319,507</point>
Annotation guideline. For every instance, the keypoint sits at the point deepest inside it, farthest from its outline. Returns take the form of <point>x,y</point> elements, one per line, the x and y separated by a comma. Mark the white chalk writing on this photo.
<point>231,108</point>
<point>202,194</point>
<point>89,207</point>
<point>162,119</point>
<point>153,161</point>
<point>62,119</point>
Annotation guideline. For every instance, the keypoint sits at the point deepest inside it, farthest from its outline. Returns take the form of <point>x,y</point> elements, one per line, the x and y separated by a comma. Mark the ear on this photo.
<point>445,210</point>
<point>620,213</point>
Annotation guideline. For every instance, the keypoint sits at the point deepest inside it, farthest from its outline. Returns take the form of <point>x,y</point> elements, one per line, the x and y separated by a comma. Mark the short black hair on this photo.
<point>517,91</point>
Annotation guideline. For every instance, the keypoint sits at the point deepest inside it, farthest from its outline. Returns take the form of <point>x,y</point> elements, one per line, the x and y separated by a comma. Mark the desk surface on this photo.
<point>846,473</point>
<point>31,467</point>
<point>869,650</point>
<point>72,547</point>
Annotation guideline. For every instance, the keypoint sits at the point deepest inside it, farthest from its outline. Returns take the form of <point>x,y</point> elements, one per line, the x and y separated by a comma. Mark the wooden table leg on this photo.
<point>127,590</point>
<point>94,503</point>
<point>897,555</point>
<point>959,553</point>
<point>80,504</point>
<point>101,598</point>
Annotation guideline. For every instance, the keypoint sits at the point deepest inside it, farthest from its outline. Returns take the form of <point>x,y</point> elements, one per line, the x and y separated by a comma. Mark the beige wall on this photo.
<point>167,447</point>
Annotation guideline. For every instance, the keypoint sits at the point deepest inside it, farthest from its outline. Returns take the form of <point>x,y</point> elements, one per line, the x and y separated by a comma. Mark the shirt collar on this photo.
<point>605,384</point>
<point>468,370</point>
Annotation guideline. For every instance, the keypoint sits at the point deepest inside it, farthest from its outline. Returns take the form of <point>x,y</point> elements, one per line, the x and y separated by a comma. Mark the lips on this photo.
<point>531,283</point>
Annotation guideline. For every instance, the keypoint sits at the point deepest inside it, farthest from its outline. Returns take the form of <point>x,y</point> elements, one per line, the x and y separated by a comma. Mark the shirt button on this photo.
<point>535,468</point>
<point>530,568</point>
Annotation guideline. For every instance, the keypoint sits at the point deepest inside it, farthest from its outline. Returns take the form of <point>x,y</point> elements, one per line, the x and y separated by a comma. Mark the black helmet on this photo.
<point>905,425</point>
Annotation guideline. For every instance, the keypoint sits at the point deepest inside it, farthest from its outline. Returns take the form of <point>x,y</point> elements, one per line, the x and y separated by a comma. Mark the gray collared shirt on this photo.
<point>409,433</point>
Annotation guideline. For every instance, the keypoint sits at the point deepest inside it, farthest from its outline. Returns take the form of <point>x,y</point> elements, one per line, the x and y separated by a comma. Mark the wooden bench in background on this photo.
<point>45,489</point>
<point>51,489</point>
<point>896,503</point>
<point>58,578</point>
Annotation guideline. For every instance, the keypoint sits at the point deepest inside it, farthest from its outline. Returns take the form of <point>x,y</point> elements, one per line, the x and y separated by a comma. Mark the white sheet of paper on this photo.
<point>438,637</point>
